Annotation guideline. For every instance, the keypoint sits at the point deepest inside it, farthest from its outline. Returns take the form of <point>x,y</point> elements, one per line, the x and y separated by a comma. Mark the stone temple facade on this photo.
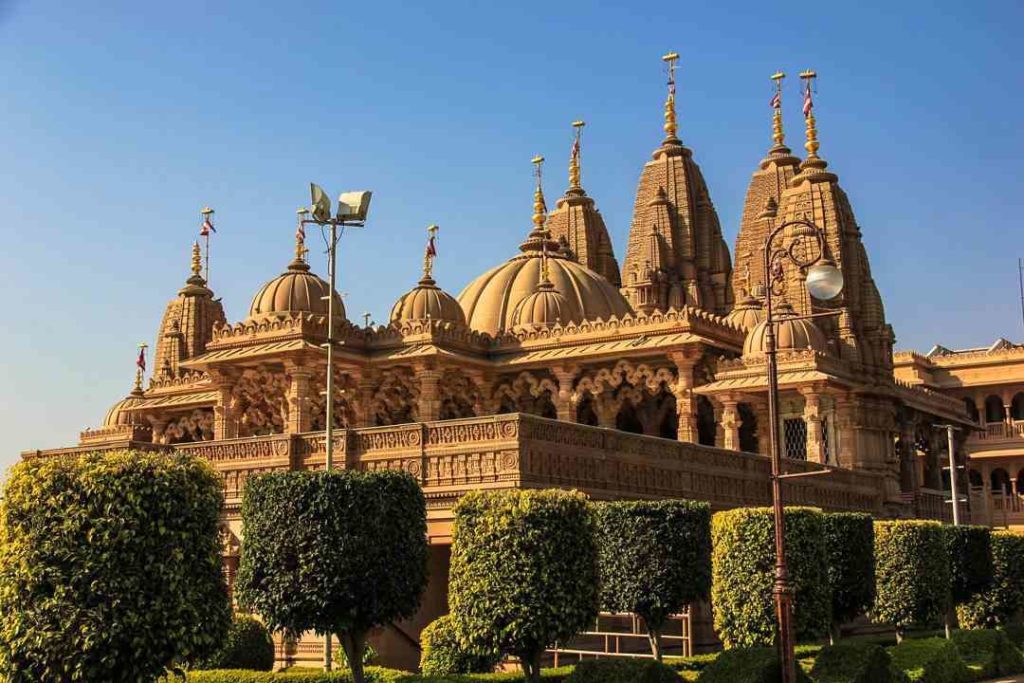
<point>556,368</point>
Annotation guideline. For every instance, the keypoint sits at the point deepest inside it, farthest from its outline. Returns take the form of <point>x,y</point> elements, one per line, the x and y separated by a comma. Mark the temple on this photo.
<point>556,368</point>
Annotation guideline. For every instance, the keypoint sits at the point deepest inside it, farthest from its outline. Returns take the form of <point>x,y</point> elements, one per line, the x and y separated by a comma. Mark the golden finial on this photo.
<point>574,158</point>
<point>777,135</point>
<point>430,253</point>
<point>197,261</point>
<point>812,144</point>
<point>540,208</point>
<point>300,234</point>
<point>670,103</point>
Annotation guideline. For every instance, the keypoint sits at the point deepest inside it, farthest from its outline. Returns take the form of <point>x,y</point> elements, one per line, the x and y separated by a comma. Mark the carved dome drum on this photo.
<point>427,301</point>
<point>295,291</point>
<point>545,307</point>
<point>792,334</point>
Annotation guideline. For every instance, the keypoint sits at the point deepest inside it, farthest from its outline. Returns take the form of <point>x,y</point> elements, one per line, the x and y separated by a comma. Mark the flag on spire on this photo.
<point>141,362</point>
<point>207,227</point>
<point>808,102</point>
<point>776,102</point>
<point>300,232</point>
<point>432,245</point>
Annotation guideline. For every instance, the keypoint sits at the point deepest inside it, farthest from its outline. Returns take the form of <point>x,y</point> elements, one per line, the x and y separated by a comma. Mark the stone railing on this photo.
<point>1000,431</point>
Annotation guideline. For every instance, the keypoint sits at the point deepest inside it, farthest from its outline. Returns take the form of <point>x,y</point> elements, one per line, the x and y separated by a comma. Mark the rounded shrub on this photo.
<point>855,661</point>
<point>622,671</point>
<point>110,567</point>
<point>911,573</point>
<point>988,653</point>
<point>1000,604</point>
<point>743,574</point>
<point>339,551</point>
<point>523,571</point>
<point>850,556</point>
<point>248,645</point>
<point>747,665</point>
<point>930,660</point>
<point>443,654</point>
<point>654,558</point>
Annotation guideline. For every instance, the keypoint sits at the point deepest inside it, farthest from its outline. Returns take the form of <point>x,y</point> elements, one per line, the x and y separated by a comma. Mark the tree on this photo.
<point>335,552</point>
<point>911,573</point>
<point>654,558</point>
<point>969,550</point>
<point>523,571</point>
<point>743,574</point>
<point>850,553</point>
<point>110,567</point>
<point>1001,602</point>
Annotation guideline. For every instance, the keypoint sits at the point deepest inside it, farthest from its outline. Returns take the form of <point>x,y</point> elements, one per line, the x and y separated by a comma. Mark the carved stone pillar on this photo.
<point>563,402</point>
<point>225,422</point>
<point>812,418</point>
<point>607,410</point>
<point>731,424</point>
<point>719,427</point>
<point>364,406</point>
<point>846,430</point>
<point>686,402</point>
<point>299,416</point>
<point>158,430</point>
<point>430,397</point>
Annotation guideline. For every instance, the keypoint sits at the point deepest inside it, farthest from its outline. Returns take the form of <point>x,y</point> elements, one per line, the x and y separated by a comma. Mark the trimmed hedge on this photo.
<point>622,671</point>
<point>970,561</point>
<point>743,570</point>
<point>1001,603</point>
<point>912,573</point>
<point>248,645</point>
<point>373,675</point>
<point>338,552</point>
<point>853,661</point>
<point>523,571</point>
<point>988,653</point>
<point>930,660</point>
<point>850,552</point>
<point>654,559</point>
<point>110,567</point>
<point>747,665</point>
<point>443,654</point>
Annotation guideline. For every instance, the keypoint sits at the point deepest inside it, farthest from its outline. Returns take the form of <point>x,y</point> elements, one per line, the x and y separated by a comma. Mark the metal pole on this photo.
<point>952,475</point>
<point>329,431</point>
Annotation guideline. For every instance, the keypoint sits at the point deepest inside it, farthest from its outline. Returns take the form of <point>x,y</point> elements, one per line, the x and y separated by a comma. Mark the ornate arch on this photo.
<point>396,398</point>
<point>527,393</point>
<point>632,397</point>
<point>195,426</point>
<point>259,399</point>
<point>346,400</point>
<point>458,395</point>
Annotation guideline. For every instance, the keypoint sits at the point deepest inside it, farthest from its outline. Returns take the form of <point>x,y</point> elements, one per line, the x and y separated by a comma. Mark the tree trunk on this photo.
<point>834,633</point>
<point>531,667</point>
<point>950,622</point>
<point>899,635</point>
<point>654,637</point>
<point>354,644</point>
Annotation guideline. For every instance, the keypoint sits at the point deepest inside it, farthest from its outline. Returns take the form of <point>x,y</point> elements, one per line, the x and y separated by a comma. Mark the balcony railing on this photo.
<point>1000,431</point>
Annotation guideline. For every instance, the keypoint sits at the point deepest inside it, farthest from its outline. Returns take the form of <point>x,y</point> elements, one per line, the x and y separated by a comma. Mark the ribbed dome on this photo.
<point>490,300</point>
<point>427,301</point>
<point>792,334</point>
<point>747,313</point>
<point>545,307</point>
<point>119,414</point>
<point>295,290</point>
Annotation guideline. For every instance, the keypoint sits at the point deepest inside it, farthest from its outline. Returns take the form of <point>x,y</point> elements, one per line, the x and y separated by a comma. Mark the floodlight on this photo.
<point>353,206</point>
<point>321,203</point>
<point>824,280</point>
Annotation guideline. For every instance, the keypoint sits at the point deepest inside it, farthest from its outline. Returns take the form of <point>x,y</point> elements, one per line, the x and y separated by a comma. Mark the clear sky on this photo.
<point>120,120</point>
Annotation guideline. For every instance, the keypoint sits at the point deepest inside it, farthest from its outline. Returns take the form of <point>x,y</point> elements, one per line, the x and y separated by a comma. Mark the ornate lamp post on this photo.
<point>806,251</point>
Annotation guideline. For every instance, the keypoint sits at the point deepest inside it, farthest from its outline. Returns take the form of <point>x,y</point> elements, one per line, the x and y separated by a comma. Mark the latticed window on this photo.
<point>794,432</point>
<point>826,440</point>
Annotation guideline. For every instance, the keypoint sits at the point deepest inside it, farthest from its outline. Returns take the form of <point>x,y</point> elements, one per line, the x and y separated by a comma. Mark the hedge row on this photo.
<point>373,675</point>
<point>1001,603</point>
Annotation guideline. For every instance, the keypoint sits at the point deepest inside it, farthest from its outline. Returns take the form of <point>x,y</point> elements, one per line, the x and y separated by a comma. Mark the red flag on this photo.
<point>431,246</point>
<point>141,362</point>
<point>207,228</point>
<point>300,233</point>
<point>776,101</point>
<point>576,148</point>
<point>808,102</point>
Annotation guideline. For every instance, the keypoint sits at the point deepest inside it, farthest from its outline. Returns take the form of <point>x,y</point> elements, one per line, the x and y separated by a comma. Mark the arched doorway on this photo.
<point>974,476</point>
<point>994,411</point>
<point>972,408</point>
<point>1017,406</point>
<point>1000,481</point>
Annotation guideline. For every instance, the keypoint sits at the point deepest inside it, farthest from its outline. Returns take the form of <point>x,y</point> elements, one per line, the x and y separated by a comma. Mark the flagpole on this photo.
<point>207,212</point>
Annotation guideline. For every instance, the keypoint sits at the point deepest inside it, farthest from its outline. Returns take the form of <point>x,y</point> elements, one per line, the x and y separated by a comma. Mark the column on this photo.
<point>563,401</point>
<point>846,431</point>
<point>812,418</point>
<point>364,406</point>
<point>299,417</point>
<point>430,397</point>
<point>158,430</point>
<point>686,402</point>
<point>730,424</point>
<point>607,410</point>
<point>225,423</point>
<point>719,427</point>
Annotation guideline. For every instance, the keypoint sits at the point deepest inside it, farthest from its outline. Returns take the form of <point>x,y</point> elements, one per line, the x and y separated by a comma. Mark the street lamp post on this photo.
<point>824,281</point>
<point>352,210</point>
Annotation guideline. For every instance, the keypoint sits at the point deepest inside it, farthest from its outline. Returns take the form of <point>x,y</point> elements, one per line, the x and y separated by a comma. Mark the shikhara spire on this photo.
<point>540,215</point>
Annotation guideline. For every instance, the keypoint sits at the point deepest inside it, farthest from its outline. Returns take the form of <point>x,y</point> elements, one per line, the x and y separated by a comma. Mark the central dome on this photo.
<point>490,300</point>
<point>294,291</point>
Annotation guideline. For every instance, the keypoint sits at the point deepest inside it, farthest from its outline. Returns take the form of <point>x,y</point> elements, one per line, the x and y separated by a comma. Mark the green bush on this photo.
<point>850,553</point>
<point>970,561</point>
<point>854,661</point>
<point>1001,603</point>
<point>930,660</point>
<point>622,671</point>
<point>693,662</point>
<point>988,653</point>
<point>338,551</point>
<point>743,571</point>
<point>443,654</point>
<point>1015,632</point>
<point>911,573</point>
<point>523,571</point>
<point>110,567</point>
<point>248,645</point>
<point>654,559</point>
<point>373,675</point>
<point>747,665</point>
<point>341,659</point>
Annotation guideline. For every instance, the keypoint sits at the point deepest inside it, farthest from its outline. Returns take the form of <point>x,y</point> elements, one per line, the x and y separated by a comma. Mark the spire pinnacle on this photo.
<point>430,253</point>
<point>812,144</point>
<point>540,208</point>
<point>778,137</point>
<point>574,158</point>
<point>197,261</point>
<point>671,127</point>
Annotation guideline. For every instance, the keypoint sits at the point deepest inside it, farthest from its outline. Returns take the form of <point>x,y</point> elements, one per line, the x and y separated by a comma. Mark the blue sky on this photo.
<point>120,120</point>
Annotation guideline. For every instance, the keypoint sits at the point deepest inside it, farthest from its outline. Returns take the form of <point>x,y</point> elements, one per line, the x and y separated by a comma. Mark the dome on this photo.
<point>490,300</point>
<point>293,291</point>
<point>427,301</point>
<point>792,334</point>
<point>119,413</point>
<point>747,313</point>
<point>545,307</point>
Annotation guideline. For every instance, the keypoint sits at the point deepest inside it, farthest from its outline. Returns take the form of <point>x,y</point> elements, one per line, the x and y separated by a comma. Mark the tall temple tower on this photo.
<point>578,226</point>
<point>676,254</point>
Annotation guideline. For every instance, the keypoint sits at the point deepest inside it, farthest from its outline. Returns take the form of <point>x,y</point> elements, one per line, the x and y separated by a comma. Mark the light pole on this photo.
<point>953,467</point>
<point>824,281</point>
<point>352,210</point>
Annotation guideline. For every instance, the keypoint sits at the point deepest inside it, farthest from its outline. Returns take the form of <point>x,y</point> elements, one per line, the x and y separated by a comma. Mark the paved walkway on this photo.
<point>1017,679</point>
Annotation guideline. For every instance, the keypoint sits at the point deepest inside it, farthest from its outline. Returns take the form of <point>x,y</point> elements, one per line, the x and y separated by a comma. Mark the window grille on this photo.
<point>826,440</point>
<point>795,432</point>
